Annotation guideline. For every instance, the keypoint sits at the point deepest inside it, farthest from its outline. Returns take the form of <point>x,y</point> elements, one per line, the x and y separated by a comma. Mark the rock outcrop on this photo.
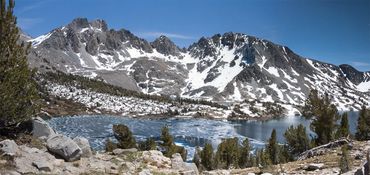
<point>64,146</point>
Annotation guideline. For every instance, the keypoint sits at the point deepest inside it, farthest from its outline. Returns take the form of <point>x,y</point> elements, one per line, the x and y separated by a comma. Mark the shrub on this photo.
<point>124,136</point>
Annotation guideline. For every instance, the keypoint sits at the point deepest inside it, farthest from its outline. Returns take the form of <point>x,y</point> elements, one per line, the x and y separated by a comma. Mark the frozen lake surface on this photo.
<point>187,132</point>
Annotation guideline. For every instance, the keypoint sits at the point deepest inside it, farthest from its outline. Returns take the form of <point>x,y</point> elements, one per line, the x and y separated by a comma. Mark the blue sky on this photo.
<point>334,31</point>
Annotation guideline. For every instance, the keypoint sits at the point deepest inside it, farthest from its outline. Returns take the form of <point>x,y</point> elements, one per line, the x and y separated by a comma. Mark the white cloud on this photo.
<point>357,63</point>
<point>170,35</point>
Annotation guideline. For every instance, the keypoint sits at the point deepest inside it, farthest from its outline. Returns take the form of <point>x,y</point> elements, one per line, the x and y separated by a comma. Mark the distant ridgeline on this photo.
<point>228,69</point>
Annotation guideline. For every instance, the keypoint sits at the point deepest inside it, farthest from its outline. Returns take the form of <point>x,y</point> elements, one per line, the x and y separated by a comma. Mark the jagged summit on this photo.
<point>83,23</point>
<point>225,67</point>
<point>165,46</point>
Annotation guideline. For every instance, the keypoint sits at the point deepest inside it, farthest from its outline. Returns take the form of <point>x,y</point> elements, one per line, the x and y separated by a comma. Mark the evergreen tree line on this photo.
<point>126,140</point>
<point>324,116</point>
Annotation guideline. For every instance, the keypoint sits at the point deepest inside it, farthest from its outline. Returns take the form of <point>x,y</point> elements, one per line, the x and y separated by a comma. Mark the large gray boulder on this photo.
<point>83,143</point>
<point>41,128</point>
<point>9,148</point>
<point>65,147</point>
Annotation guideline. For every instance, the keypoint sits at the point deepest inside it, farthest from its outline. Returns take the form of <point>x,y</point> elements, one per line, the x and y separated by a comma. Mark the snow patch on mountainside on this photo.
<point>364,86</point>
<point>37,41</point>
<point>225,72</point>
<point>273,71</point>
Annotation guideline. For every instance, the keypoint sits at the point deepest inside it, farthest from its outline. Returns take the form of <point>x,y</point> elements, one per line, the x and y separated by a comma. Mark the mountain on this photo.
<point>227,68</point>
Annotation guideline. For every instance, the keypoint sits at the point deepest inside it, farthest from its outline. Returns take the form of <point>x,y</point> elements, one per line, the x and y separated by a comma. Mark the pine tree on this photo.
<point>343,130</point>
<point>124,136</point>
<point>227,154</point>
<point>297,139</point>
<point>244,160</point>
<point>206,157</point>
<point>18,92</point>
<point>363,124</point>
<point>167,142</point>
<point>324,116</point>
<point>273,148</point>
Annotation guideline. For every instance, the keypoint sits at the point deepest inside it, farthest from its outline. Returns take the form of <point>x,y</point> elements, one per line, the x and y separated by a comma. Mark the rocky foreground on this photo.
<point>52,153</point>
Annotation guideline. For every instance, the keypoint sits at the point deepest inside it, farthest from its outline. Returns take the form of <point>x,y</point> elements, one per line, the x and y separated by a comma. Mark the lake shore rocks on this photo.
<point>41,128</point>
<point>29,160</point>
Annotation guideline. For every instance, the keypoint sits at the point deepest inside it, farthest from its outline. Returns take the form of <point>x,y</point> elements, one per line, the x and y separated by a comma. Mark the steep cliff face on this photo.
<point>230,67</point>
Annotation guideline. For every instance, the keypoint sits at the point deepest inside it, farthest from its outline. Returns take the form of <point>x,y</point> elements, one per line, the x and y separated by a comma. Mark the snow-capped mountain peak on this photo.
<point>231,67</point>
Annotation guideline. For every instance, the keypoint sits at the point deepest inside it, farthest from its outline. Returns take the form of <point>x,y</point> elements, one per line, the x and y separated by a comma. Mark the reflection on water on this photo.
<point>187,132</point>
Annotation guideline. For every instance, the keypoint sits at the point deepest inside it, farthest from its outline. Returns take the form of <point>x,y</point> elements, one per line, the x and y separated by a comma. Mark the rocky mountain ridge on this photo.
<point>229,68</point>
